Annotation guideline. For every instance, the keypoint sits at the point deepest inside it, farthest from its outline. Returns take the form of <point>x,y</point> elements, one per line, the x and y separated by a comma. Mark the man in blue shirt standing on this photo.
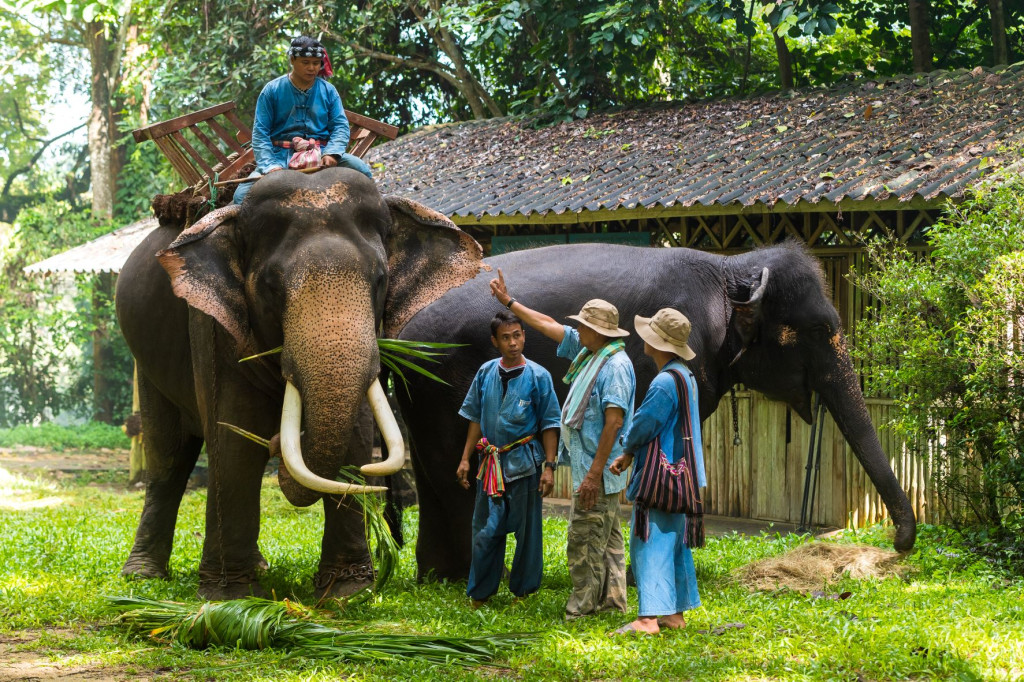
<point>510,403</point>
<point>602,388</point>
<point>300,104</point>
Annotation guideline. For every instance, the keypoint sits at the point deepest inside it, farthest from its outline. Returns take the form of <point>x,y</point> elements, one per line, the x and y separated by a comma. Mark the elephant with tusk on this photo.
<point>763,319</point>
<point>319,265</point>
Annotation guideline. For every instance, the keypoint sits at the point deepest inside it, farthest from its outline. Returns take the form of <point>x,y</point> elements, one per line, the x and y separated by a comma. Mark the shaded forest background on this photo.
<point>406,62</point>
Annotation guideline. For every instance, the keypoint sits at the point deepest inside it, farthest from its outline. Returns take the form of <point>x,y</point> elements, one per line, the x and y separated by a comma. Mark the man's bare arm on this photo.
<point>472,438</point>
<point>537,320</point>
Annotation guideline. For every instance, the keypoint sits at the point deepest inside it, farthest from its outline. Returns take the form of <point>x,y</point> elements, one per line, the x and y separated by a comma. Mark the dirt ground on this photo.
<point>23,658</point>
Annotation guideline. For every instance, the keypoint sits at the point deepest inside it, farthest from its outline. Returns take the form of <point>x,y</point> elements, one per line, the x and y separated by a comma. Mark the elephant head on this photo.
<point>787,340</point>
<point>319,264</point>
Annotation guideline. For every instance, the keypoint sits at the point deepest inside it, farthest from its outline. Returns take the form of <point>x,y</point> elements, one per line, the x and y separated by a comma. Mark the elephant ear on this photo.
<point>747,315</point>
<point>204,270</point>
<point>427,255</point>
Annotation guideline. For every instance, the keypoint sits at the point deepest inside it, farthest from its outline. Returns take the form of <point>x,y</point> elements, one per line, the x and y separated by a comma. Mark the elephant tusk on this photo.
<point>291,451</point>
<point>385,419</point>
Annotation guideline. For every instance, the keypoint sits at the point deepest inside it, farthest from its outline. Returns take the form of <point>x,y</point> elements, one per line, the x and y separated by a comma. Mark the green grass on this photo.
<point>953,617</point>
<point>91,435</point>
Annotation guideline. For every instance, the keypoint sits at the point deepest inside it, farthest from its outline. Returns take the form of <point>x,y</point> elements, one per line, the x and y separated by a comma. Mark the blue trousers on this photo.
<point>346,161</point>
<point>519,512</point>
<point>666,580</point>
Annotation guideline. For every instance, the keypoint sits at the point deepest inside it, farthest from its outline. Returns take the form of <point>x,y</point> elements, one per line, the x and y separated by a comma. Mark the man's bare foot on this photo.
<point>673,622</point>
<point>643,626</point>
<point>476,603</point>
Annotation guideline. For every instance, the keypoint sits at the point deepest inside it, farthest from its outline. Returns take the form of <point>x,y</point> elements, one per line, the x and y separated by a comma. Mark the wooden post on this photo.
<point>137,456</point>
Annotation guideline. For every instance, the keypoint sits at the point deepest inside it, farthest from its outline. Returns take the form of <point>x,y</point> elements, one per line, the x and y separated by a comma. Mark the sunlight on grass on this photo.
<point>20,493</point>
<point>951,616</point>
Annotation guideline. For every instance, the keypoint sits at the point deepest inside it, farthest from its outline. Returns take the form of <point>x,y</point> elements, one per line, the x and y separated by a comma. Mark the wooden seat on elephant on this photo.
<point>218,145</point>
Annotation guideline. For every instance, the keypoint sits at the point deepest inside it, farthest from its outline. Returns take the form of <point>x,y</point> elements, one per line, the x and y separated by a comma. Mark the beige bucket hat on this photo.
<point>667,330</point>
<point>601,316</point>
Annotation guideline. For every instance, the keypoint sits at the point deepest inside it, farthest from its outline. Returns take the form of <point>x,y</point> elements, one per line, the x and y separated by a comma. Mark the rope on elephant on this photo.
<point>811,566</point>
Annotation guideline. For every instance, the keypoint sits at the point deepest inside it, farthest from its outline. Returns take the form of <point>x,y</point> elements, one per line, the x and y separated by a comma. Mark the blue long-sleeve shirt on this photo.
<point>528,407</point>
<point>615,387</point>
<point>283,112</point>
<point>658,417</point>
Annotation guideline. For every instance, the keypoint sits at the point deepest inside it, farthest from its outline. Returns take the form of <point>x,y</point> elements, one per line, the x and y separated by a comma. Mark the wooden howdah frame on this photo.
<point>218,145</point>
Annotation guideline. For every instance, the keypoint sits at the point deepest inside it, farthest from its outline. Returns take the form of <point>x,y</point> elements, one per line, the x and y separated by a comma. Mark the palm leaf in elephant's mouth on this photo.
<point>253,623</point>
<point>397,355</point>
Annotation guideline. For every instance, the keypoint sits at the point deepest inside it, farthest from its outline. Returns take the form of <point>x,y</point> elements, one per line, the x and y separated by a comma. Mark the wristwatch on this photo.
<point>551,465</point>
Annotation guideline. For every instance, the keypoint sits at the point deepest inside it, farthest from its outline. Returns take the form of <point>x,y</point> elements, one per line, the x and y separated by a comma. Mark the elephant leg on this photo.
<point>171,453</point>
<point>231,559</point>
<point>444,542</point>
<point>345,563</point>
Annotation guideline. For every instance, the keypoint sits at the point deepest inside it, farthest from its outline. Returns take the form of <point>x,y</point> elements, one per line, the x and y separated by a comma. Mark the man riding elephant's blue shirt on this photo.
<point>300,104</point>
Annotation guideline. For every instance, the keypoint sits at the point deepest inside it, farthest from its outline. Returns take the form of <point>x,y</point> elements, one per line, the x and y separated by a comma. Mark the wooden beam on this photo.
<point>222,132</point>
<point>379,127</point>
<point>162,128</point>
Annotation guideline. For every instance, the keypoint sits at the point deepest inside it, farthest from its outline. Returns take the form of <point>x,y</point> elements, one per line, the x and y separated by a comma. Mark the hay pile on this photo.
<point>812,566</point>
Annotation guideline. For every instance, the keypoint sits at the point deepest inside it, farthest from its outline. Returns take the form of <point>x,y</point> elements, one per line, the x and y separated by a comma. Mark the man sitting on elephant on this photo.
<point>301,104</point>
<point>602,387</point>
<point>510,402</point>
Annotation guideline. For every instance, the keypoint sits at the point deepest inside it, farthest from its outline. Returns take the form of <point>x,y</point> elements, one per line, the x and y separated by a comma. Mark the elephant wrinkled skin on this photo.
<point>314,263</point>
<point>762,318</point>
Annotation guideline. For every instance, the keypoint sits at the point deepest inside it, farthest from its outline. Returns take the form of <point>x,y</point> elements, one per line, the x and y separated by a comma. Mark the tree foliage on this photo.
<point>47,324</point>
<point>946,342</point>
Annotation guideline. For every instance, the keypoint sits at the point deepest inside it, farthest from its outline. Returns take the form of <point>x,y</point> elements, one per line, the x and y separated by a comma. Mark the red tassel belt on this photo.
<point>490,475</point>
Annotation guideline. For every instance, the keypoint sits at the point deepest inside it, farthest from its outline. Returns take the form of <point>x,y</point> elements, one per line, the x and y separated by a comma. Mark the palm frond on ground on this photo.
<point>254,623</point>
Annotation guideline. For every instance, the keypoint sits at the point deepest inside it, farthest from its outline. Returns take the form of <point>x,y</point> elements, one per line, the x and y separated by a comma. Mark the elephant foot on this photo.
<point>144,566</point>
<point>224,591</point>
<point>343,581</point>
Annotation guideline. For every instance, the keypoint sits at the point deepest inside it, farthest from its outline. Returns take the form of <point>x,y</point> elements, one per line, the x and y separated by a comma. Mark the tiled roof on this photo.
<point>922,137</point>
<point>103,254</point>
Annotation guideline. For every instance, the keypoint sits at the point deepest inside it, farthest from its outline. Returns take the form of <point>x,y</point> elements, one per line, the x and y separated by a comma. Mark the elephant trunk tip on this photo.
<point>906,536</point>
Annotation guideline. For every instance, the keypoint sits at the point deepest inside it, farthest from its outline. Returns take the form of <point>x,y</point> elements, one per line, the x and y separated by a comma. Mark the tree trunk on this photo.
<point>102,353</point>
<point>920,39</point>
<point>999,49</point>
<point>102,131</point>
<point>785,62</point>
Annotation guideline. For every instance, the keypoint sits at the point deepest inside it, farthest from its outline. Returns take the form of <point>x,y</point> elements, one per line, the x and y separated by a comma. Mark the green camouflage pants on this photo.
<point>597,561</point>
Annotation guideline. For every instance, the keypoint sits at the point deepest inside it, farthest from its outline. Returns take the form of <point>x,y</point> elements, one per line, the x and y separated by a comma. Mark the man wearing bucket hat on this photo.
<point>299,112</point>
<point>602,388</point>
<point>660,544</point>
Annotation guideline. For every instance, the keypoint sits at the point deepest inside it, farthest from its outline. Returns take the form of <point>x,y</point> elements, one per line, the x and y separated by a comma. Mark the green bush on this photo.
<point>89,436</point>
<point>945,342</point>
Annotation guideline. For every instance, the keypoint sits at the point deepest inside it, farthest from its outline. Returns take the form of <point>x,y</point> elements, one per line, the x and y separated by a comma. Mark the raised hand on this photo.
<point>499,290</point>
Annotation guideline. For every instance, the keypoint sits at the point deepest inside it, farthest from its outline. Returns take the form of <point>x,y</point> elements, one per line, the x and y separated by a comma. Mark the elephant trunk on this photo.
<point>330,361</point>
<point>840,390</point>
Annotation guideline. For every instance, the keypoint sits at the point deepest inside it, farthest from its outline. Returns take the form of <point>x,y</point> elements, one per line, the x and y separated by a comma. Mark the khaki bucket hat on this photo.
<point>667,330</point>
<point>601,316</point>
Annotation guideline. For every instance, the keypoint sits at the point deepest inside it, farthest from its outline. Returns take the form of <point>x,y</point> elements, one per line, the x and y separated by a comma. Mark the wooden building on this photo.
<point>832,168</point>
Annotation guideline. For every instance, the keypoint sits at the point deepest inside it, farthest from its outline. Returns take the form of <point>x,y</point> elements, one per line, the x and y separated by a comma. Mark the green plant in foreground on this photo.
<point>254,623</point>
